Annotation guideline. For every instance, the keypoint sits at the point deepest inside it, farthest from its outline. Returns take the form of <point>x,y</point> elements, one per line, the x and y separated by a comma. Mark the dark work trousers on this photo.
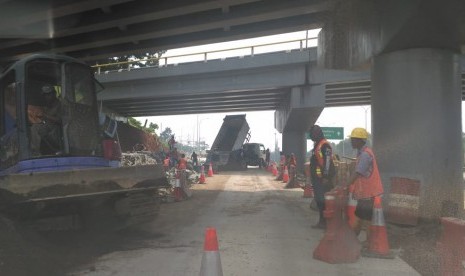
<point>319,190</point>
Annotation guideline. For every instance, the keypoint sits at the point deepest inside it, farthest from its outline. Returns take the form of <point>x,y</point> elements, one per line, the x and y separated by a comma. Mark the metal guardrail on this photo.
<point>302,44</point>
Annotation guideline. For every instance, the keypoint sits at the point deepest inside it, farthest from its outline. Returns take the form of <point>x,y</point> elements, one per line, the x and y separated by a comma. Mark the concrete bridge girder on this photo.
<point>249,73</point>
<point>305,106</point>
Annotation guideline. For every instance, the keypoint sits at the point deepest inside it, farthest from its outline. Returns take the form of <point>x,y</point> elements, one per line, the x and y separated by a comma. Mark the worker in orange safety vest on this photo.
<point>166,163</point>
<point>366,181</point>
<point>182,163</point>
<point>322,171</point>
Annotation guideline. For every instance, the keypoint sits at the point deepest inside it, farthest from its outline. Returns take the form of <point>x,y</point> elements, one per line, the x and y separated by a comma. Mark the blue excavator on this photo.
<point>59,165</point>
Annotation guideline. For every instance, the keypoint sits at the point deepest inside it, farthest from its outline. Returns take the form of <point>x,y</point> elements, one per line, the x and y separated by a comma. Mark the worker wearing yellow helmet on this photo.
<point>366,180</point>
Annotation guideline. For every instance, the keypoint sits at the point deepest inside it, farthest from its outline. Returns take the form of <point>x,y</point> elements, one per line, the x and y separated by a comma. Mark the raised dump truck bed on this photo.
<point>225,150</point>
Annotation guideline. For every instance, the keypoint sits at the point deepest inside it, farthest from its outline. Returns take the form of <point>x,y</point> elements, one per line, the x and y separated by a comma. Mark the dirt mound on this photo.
<point>134,139</point>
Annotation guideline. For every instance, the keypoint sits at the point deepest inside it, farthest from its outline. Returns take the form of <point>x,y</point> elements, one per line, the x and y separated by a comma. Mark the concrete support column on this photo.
<point>295,142</point>
<point>417,132</point>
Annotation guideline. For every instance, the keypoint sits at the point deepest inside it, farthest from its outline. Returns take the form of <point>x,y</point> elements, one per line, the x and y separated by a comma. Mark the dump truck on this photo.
<point>61,173</point>
<point>226,150</point>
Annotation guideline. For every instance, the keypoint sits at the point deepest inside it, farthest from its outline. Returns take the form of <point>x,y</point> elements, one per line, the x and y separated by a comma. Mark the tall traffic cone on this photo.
<point>211,261</point>
<point>378,243</point>
<point>339,244</point>
<point>350,208</point>
<point>202,175</point>
<point>210,170</point>
<point>178,193</point>
<point>285,175</point>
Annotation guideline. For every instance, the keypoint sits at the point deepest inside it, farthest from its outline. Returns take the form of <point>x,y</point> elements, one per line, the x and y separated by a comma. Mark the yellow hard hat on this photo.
<point>359,132</point>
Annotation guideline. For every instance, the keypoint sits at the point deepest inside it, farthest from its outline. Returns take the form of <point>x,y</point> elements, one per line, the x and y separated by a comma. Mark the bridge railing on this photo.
<point>205,56</point>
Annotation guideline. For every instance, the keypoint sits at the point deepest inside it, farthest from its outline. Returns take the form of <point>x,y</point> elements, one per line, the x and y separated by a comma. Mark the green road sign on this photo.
<point>333,133</point>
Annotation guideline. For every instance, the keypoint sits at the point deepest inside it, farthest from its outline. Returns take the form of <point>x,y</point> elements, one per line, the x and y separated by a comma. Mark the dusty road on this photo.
<point>262,230</point>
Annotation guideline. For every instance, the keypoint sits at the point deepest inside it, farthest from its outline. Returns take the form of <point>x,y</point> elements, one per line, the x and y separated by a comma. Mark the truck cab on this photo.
<point>254,154</point>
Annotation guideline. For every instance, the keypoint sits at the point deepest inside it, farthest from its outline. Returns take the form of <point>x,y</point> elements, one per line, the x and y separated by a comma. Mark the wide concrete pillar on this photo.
<point>295,142</point>
<point>416,122</point>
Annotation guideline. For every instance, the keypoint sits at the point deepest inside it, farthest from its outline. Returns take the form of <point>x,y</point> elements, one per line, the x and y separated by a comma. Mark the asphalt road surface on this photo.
<point>262,229</point>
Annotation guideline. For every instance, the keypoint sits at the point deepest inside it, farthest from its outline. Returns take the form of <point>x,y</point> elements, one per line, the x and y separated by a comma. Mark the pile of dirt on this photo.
<point>134,139</point>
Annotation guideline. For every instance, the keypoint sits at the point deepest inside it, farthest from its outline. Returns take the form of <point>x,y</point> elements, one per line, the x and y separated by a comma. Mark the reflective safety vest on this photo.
<point>367,187</point>
<point>320,161</point>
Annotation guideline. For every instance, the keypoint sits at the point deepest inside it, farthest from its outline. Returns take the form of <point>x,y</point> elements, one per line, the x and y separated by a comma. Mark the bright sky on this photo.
<point>261,122</point>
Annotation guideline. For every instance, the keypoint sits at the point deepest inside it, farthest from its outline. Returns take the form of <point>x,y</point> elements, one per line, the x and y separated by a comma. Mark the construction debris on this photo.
<point>138,158</point>
<point>192,178</point>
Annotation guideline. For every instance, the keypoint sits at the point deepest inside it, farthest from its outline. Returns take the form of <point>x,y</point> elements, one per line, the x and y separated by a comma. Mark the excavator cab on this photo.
<point>49,110</point>
<point>54,172</point>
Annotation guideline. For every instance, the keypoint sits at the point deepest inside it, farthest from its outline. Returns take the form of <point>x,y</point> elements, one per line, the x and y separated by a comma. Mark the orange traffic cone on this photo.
<point>178,193</point>
<point>378,243</point>
<point>285,175</point>
<point>211,261</point>
<point>351,205</point>
<point>210,170</point>
<point>308,191</point>
<point>202,175</point>
<point>274,170</point>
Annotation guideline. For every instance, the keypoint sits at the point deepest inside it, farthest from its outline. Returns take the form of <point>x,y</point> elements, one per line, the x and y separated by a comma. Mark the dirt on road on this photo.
<point>26,252</point>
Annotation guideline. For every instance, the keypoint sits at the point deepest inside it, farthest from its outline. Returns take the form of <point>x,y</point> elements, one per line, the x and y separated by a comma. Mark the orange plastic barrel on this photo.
<point>403,201</point>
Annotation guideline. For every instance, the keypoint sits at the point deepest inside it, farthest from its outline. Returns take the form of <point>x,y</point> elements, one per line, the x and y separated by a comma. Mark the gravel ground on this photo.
<point>25,252</point>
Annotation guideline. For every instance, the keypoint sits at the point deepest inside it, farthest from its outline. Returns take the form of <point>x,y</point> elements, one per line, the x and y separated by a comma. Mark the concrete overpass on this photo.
<point>412,49</point>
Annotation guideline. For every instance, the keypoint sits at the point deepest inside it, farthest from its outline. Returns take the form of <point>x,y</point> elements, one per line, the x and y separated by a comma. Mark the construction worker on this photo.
<point>172,142</point>
<point>321,171</point>
<point>166,163</point>
<point>267,157</point>
<point>195,161</point>
<point>366,180</point>
<point>182,164</point>
<point>174,157</point>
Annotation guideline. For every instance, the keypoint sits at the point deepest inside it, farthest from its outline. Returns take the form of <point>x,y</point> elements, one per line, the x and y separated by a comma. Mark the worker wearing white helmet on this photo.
<point>366,180</point>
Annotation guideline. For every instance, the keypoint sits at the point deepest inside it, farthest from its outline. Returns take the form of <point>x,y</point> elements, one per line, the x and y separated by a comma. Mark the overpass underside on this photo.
<point>290,83</point>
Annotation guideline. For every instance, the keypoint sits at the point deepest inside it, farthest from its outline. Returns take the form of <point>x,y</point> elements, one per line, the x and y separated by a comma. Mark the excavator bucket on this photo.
<point>126,195</point>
